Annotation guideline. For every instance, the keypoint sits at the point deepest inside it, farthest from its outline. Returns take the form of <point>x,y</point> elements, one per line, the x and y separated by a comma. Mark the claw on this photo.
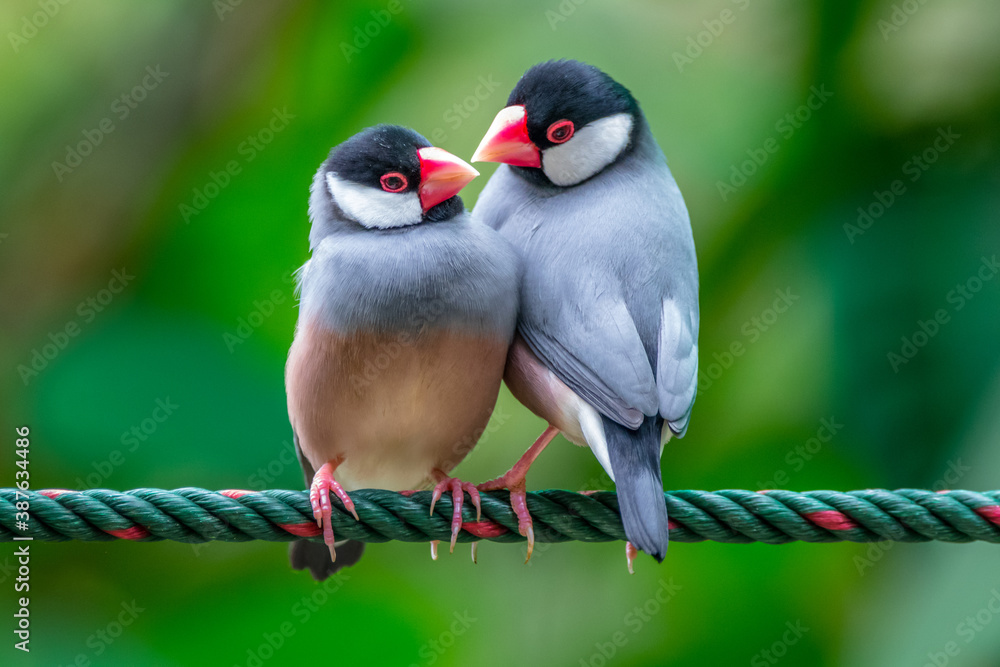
<point>531,542</point>
<point>475,548</point>
<point>457,488</point>
<point>434,549</point>
<point>519,503</point>
<point>328,540</point>
<point>631,553</point>
<point>435,497</point>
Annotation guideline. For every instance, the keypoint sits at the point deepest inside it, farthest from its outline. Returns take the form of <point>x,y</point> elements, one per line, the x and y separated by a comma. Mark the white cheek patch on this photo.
<point>375,208</point>
<point>592,148</point>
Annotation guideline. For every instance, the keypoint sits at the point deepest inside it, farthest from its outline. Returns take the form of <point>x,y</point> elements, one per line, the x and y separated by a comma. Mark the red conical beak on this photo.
<point>442,175</point>
<point>507,140</point>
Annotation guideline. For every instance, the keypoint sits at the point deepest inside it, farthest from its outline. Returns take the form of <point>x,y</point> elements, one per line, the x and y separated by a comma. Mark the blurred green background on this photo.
<point>840,162</point>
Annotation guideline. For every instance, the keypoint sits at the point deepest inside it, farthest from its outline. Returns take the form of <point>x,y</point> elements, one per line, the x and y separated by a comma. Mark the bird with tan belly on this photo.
<point>407,310</point>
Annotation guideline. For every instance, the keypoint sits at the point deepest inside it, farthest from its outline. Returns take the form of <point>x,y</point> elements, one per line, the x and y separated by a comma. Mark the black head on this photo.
<point>368,156</point>
<point>568,90</point>
<point>389,176</point>
<point>565,121</point>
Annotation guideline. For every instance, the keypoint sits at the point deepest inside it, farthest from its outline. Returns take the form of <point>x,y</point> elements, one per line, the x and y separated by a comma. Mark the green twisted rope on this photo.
<point>736,516</point>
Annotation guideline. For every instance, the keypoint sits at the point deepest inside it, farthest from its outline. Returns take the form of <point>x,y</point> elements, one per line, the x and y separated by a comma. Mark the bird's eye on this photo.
<point>560,131</point>
<point>393,182</point>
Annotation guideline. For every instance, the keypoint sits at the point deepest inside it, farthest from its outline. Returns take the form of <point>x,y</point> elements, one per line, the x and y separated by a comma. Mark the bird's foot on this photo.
<point>319,497</point>
<point>514,481</point>
<point>457,488</point>
<point>631,553</point>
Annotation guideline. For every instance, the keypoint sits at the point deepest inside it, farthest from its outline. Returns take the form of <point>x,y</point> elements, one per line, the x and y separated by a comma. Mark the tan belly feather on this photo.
<point>393,406</point>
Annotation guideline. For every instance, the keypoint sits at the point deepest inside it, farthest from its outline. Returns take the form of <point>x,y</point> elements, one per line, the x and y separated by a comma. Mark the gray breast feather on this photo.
<point>444,274</point>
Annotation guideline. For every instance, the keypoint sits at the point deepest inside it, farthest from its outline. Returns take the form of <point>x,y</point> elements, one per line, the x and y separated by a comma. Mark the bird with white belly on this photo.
<point>607,342</point>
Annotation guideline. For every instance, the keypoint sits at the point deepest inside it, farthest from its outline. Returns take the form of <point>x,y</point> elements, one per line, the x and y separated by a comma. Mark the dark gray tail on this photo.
<point>316,556</point>
<point>635,460</point>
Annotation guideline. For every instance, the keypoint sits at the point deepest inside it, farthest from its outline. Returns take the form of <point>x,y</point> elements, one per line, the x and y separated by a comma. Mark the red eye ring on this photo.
<point>560,131</point>
<point>393,182</point>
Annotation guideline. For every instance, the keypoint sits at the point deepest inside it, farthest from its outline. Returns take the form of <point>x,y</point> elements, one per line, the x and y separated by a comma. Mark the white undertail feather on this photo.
<point>665,435</point>
<point>592,148</point>
<point>593,431</point>
<point>372,207</point>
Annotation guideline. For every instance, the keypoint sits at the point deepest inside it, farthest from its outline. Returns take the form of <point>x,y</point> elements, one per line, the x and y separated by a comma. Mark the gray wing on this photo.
<point>591,343</point>
<point>677,364</point>
<point>622,330</point>
<point>596,348</point>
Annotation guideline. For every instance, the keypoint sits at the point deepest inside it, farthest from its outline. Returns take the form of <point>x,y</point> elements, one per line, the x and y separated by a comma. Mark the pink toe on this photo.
<point>346,500</point>
<point>474,495</point>
<point>435,496</point>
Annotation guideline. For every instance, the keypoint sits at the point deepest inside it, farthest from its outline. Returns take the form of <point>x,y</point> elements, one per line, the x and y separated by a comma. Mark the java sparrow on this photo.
<point>407,308</point>
<point>607,339</point>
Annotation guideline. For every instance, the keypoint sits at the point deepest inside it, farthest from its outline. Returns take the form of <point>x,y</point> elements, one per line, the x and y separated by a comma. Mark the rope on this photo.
<point>735,516</point>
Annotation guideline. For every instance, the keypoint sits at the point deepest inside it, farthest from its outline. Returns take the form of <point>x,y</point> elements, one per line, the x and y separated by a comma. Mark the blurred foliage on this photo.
<point>198,192</point>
